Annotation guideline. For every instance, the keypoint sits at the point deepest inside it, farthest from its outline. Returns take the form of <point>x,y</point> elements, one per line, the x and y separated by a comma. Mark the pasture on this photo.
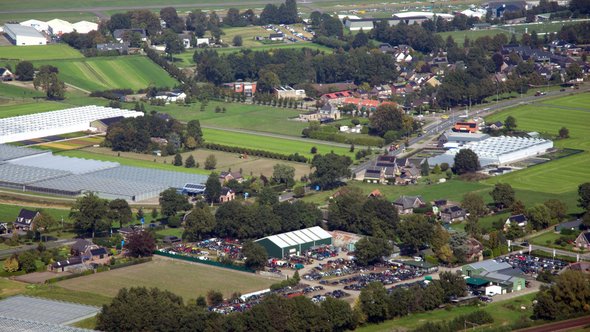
<point>184,279</point>
<point>41,52</point>
<point>240,116</point>
<point>93,74</point>
<point>10,109</point>
<point>459,36</point>
<point>15,92</point>
<point>268,143</point>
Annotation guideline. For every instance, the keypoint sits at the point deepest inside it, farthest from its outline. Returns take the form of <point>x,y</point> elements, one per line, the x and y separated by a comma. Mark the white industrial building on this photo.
<point>85,26</point>
<point>25,127</point>
<point>24,35</point>
<point>36,24</point>
<point>500,150</point>
<point>59,27</point>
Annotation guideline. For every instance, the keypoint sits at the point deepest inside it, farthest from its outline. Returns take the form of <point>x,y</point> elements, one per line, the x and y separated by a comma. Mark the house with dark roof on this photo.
<point>224,177</point>
<point>518,220</point>
<point>26,220</point>
<point>583,240</point>
<point>6,75</point>
<point>122,48</point>
<point>98,256</point>
<point>121,34</point>
<point>3,228</point>
<point>71,264</point>
<point>102,125</point>
<point>497,125</point>
<point>452,213</point>
<point>407,204</point>
<point>227,195</point>
<point>573,225</point>
<point>81,246</point>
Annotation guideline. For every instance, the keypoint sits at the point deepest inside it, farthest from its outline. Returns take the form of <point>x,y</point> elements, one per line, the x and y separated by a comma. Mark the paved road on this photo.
<point>49,245</point>
<point>287,137</point>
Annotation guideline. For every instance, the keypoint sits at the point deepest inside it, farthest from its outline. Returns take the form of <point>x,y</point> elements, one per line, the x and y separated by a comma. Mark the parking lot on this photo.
<point>532,265</point>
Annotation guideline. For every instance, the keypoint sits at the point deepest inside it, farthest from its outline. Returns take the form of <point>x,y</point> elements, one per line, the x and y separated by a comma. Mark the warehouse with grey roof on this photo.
<point>295,242</point>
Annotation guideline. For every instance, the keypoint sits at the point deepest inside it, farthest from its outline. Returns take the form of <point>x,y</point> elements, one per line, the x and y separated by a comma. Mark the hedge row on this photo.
<point>259,153</point>
<point>341,138</point>
<point>476,318</point>
<point>111,94</point>
<point>167,66</point>
<point>134,261</point>
<point>98,270</point>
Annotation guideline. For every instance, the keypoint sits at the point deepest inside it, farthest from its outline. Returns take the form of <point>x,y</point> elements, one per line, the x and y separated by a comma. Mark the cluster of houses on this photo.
<point>388,169</point>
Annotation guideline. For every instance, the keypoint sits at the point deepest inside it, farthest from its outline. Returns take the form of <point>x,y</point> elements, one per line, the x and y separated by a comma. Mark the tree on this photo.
<point>268,196</point>
<point>284,174</point>
<point>340,314</point>
<point>44,222</point>
<point>193,130</point>
<point>474,204</point>
<point>584,196</point>
<point>387,117</point>
<point>190,162</point>
<point>472,226</point>
<point>539,217</point>
<point>27,261</point>
<point>237,40</point>
<point>424,168</point>
<point>89,214</point>
<point>25,71</point>
<point>415,231</point>
<point>369,251</point>
<point>256,255</point>
<point>214,298</point>
<point>11,264</point>
<point>155,213</point>
<point>503,195</point>
<point>47,80</point>
<point>199,224</point>
<point>360,39</point>
<point>213,188</point>
<point>453,285</point>
<point>567,297</point>
<point>329,169</point>
<point>466,161</point>
<point>210,162</point>
<point>173,43</point>
<point>374,302</point>
<point>517,207</point>
<point>119,210</point>
<point>510,123</point>
<point>177,160</point>
<point>564,132</point>
<point>313,150</point>
<point>267,81</point>
<point>140,244</point>
<point>172,202</point>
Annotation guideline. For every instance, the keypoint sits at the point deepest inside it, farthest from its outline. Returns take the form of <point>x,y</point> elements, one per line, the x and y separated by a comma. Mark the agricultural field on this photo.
<point>11,91</point>
<point>561,176</point>
<point>184,279</point>
<point>73,144</point>
<point>272,144</point>
<point>240,116</point>
<point>10,109</point>
<point>539,27</point>
<point>248,34</point>
<point>131,72</point>
<point>9,212</point>
<point>504,313</point>
<point>459,36</point>
<point>41,52</point>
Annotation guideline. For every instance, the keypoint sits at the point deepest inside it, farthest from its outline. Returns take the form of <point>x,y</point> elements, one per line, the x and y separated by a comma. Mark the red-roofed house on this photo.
<point>336,97</point>
<point>362,104</point>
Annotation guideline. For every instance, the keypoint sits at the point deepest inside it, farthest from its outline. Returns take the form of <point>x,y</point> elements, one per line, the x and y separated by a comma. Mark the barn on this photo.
<point>295,242</point>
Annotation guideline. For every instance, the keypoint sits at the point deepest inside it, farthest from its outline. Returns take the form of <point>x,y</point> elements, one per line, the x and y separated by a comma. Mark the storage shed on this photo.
<point>24,35</point>
<point>295,242</point>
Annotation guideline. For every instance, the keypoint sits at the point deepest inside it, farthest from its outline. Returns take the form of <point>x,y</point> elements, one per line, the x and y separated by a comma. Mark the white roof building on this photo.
<point>24,35</point>
<point>59,27</point>
<point>85,26</point>
<point>36,24</point>
<point>20,128</point>
<point>479,13</point>
<point>428,15</point>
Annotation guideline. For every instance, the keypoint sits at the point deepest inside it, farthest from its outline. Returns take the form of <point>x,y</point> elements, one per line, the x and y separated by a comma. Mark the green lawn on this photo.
<point>184,279</point>
<point>12,109</point>
<point>277,145</point>
<point>459,36</point>
<point>16,92</point>
<point>129,162</point>
<point>504,313</point>
<point>104,73</point>
<point>41,52</point>
<point>54,292</point>
<point>9,212</point>
<point>240,116</point>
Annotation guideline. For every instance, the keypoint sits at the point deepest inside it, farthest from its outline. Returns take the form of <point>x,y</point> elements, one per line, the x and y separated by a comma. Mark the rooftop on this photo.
<point>21,30</point>
<point>490,265</point>
<point>302,236</point>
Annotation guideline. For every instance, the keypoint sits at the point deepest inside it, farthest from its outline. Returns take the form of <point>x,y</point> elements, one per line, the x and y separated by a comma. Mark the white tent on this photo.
<point>59,27</point>
<point>85,26</point>
<point>38,25</point>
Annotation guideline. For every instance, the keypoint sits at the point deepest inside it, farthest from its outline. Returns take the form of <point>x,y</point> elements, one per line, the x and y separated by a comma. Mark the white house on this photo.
<point>23,35</point>
<point>59,27</point>
<point>85,26</point>
<point>36,24</point>
<point>171,96</point>
<point>202,41</point>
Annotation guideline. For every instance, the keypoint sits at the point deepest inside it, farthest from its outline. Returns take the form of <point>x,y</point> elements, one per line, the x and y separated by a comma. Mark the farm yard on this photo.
<point>131,72</point>
<point>45,52</point>
<point>184,279</point>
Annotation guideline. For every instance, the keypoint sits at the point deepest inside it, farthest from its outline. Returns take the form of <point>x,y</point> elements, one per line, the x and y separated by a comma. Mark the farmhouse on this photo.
<point>518,220</point>
<point>227,195</point>
<point>26,220</point>
<point>296,242</point>
<point>407,204</point>
<point>24,36</point>
<point>71,264</point>
<point>583,240</point>
<point>6,75</point>
<point>224,177</point>
<point>171,96</point>
<point>246,88</point>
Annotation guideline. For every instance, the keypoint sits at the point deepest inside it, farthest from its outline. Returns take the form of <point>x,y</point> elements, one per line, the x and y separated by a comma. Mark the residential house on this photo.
<point>71,264</point>
<point>6,75</point>
<point>573,225</point>
<point>201,42</point>
<point>289,92</point>
<point>474,251</point>
<point>452,214</point>
<point>3,228</point>
<point>186,39</point>
<point>433,82</point>
<point>519,220</point>
<point>26,220</point>
<point>375,193</point>
<point>102,125</point>
<point>407,204</point>
<point>122,48</point>
<point>224,177</point>
<point>170,239</point>
<point>497,125</point>
<point>98,256</point>
<point>81,246</point>
<point>336,98</point>
<point>330,111</point>
<point>583,240</point>
<point>171,96</point>
<point>122,35</point>
<point>246,88</point>
<point>126,231</point>
<point>227,195</point>
<point>362,104</point>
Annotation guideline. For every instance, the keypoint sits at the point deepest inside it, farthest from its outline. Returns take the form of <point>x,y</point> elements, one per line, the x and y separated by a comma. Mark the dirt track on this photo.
<point>560,326</point>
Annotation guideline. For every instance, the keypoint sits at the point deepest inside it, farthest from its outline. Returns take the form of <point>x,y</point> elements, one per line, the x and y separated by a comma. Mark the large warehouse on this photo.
<point>24,35</point>
<point>296,242</point>
<point>40,171</point>
<point>25,127</point>
<point>500,150</point>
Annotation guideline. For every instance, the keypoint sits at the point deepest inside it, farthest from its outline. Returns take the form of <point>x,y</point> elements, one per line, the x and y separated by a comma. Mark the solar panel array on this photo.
<point>43,310</point>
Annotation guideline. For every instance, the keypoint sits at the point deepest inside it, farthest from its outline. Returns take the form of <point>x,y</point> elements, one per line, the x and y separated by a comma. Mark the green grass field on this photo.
<point>41,52</point>
<point>132,72</point>
<point>240,116</point>
<point>16,109</point>
<point>560,176</point>
<point>504,313</point>
<point>278,145</point>
<point>184,279</point>
<point>459,36</point>
<point>10,212</point>
<point>13,92</point>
